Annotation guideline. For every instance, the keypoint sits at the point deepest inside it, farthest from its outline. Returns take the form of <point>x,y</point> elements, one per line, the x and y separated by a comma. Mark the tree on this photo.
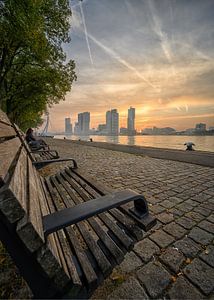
<point>34,73</point>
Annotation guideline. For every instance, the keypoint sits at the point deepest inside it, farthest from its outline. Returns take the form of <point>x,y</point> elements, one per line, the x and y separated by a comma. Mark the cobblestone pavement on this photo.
<point>176,258</point>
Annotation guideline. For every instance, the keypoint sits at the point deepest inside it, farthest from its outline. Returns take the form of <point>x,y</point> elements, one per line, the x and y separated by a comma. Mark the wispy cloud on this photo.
<point>86,33</point>
<point>165,44</point>
<point>122,61</point>
<point>156,55</point>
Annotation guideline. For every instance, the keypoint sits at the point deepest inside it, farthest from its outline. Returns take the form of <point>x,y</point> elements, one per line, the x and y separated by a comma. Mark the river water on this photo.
<point>202,143</point>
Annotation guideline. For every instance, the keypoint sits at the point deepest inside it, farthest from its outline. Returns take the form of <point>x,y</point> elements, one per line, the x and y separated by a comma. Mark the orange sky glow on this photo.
<point>151,55</point>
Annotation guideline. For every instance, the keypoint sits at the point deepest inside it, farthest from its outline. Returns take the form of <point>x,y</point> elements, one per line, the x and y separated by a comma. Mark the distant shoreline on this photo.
<point>67,134</point>
<point>202,143</point>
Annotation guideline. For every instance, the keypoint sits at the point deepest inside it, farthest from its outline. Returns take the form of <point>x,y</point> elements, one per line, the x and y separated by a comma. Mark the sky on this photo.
<point>154,55</point>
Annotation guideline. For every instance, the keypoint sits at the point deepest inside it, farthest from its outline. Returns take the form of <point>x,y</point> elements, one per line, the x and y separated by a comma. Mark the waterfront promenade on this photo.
<point>176,258</point>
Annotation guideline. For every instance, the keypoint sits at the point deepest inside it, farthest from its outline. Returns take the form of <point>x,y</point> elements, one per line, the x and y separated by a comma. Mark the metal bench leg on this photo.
<point>140,213</point>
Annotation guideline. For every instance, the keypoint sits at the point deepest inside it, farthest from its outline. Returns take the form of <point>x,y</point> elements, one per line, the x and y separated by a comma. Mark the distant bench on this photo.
<point>39,157</point>
<point>65,232</point>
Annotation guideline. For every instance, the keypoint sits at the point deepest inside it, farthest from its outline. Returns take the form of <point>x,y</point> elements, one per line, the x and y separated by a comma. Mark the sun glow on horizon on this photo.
<point>141,54</point>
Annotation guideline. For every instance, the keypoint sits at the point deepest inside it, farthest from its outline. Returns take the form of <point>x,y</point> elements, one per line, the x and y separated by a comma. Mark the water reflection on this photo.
<point>204,143</point>
<point>112,139</point>
<point>131,140</point>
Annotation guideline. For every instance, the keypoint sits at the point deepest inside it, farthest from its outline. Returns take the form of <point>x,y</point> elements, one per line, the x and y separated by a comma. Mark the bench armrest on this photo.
<point>43,163</point>
<point>44,147</point>
<point>83,211</point>
<point>46,151</point>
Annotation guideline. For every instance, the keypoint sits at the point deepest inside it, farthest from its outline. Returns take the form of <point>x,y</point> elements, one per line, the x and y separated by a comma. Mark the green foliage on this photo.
<point>34,73</point>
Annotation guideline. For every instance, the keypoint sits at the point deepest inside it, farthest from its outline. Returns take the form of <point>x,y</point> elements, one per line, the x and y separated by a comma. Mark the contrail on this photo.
<point>116,56</point>
<point>164,41</point>
<point>162,35</point>
<point>85,30</point>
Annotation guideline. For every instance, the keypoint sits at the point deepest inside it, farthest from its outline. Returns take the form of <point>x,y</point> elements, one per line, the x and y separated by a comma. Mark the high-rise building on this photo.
<point>115,122</point>
<point>68,126</point>
<point>86,122</point>
<point>112,122</point>
<point>83,123</point>
<point>108,122</point>
<point>101,128</point>
<point>76,128</point>
<point>131,121</point>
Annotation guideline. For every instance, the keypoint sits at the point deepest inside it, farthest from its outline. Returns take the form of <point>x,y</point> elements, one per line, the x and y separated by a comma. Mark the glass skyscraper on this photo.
<point>131,121</point>
<point>112,122</point>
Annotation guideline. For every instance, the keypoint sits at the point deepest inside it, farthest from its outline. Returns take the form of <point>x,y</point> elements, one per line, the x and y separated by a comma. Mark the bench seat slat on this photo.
<point>46,210</point>
<point>87,268</point>
<point>102,236</point>
<point>126,241</point>
<point>90,238</point>
<point>125,221</point>
<point>74,241</point>
<point>63,247</point>
<point>128,224</point>
<point>60,250</point>
<point>97,186</point>
<point>111,246</point>
<point>99,229</point>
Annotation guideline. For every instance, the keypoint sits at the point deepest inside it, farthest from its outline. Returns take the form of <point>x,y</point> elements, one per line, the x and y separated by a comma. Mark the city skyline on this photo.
<point>113,127</point>
<point>154,55</point>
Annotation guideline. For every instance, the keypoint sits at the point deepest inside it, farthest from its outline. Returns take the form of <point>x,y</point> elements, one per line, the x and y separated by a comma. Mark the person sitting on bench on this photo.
<point>33,142</point>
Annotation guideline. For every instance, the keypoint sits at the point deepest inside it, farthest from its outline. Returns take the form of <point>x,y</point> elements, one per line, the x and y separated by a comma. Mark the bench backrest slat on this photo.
<point>21,135</point>
<point>8,151</point>
<point>9,130</point>
<point>12,198</point>
<point>18,183</point>
<point>6,128</point>
<point>4,117</point>
<point>6,131</point>
<point>30,229</point>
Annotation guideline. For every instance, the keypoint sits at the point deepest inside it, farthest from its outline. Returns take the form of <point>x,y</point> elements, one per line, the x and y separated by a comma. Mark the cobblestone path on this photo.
<point>176,258</point>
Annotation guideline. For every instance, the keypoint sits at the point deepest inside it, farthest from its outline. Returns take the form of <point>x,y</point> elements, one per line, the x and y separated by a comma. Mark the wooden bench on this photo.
<point>36,155</point>
<point>64,232</point>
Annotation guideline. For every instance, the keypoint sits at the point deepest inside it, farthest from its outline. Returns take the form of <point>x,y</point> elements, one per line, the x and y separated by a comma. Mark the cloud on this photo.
<point>164,41</point>
<point>75,19</point>
<point>86,33</point>
<point>122,61</point>
<point>154,55</point>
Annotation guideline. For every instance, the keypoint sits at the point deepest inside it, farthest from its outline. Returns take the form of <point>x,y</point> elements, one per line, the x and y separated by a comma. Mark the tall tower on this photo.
<point>108,122</point>
<point>112,122</point>
<point>84,122</point>
<point>68,126</point>
<point>115,122</point>
<point>131,121</point>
